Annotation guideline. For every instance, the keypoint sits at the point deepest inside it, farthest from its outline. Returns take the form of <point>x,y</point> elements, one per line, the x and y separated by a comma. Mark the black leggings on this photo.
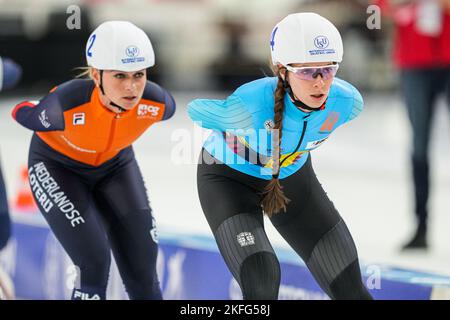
<point>311,225</point>
<point>92,210</point>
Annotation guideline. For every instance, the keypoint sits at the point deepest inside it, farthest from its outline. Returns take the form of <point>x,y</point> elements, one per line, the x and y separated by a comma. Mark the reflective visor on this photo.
<point>311,73</point>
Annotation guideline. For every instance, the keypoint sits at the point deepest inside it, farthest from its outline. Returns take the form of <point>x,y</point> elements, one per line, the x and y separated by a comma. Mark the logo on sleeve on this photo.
<point>147,111</point>
<point>328,125</point>
<point>44,119</point>
<point>78,119</point>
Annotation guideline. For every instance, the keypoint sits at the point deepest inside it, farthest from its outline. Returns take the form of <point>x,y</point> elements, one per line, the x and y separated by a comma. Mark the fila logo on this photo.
<point>78,119</point>
<point>78,295</point>
<point>145,109</point>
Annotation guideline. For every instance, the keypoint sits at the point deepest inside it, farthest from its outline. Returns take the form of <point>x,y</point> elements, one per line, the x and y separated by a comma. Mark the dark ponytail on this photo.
<point>273,198</point>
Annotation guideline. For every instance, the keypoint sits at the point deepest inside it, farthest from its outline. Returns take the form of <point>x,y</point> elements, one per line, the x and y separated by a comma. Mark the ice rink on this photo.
<point>363,167</point>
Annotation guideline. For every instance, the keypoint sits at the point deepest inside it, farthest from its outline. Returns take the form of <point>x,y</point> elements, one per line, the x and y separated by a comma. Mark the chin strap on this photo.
<point>297,102</point>
<point>103,93</point>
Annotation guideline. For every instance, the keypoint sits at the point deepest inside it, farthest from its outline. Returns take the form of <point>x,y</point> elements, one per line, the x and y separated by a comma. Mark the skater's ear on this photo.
<point>95,75</point>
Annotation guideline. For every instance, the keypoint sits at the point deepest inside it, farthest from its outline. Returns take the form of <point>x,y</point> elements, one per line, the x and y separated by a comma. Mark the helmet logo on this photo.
<point>132,51</point>
<point>272,40</point>
<point>321,42</point>
<point>92,39</point>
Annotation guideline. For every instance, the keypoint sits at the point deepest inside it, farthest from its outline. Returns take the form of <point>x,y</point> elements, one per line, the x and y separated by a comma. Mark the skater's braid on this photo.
<point>273,198</point>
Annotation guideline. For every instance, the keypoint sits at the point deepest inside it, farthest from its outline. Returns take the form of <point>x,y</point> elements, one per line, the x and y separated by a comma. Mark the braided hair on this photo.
<point>273,198</point>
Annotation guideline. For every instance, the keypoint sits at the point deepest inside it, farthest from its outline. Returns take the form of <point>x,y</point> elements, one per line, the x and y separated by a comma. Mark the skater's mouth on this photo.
<point>318,96</point>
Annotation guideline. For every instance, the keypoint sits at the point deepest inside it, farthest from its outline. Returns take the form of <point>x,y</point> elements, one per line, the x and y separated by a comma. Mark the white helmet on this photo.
<point>305,37</point>
<point>119,45</point>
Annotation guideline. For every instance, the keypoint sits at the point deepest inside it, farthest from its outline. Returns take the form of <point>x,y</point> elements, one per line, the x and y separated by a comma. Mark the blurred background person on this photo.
<point>5,233</point>
<point>5,223</point>
<point>421,52</point>
<point>10,74</point>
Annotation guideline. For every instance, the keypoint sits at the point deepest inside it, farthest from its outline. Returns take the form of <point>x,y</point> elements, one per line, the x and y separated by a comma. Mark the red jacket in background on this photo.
<point>413,49</point>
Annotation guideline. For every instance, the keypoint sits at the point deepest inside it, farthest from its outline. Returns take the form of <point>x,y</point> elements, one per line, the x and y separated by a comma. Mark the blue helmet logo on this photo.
<point>132,51</point>
<point>90,44</point>
<point>321,42</point>
<point>272,40</point>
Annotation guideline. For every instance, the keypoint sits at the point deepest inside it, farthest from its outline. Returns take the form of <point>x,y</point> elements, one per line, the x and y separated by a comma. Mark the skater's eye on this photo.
<point>119,76</point>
